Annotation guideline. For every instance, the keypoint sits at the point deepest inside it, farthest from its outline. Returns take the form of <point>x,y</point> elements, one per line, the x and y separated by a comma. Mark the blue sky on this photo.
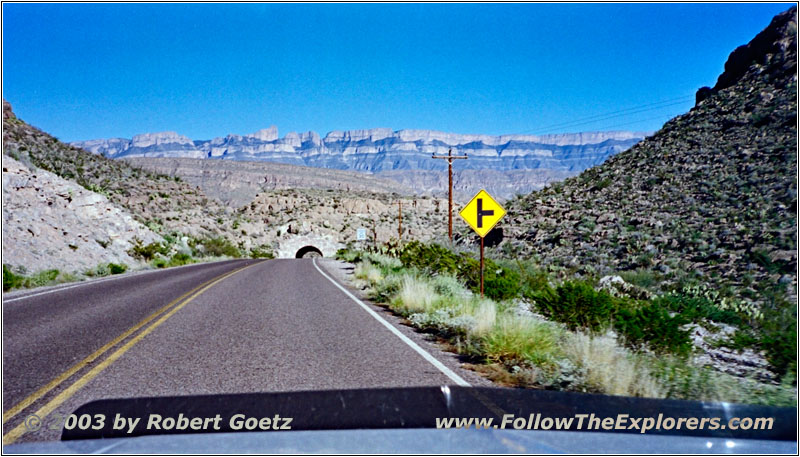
<point>82,71</point>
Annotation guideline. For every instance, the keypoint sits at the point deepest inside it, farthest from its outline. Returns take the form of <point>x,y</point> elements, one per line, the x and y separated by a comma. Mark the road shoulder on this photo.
<point>342,272</point>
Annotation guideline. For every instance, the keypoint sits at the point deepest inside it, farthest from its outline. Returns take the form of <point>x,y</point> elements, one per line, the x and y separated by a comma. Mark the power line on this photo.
<point>608,127</point>
<point>613,114</point>
<point>577,124</point>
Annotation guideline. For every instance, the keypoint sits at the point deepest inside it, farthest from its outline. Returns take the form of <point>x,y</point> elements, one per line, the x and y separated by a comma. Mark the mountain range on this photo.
<point>382,149</point>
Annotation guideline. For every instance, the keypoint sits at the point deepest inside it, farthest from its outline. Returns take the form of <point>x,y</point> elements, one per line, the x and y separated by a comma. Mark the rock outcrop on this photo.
<point>49,222</point>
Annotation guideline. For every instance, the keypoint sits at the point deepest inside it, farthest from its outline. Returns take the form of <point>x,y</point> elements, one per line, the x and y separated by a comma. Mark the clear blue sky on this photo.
<point>83,71</point>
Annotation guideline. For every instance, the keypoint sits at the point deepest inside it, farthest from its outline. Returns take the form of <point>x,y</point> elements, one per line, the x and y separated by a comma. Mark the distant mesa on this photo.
<point>381,149</point>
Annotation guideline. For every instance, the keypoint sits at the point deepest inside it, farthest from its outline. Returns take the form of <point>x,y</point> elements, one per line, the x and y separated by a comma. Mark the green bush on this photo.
<point>180,258</point>
<point>779,339</point>
<point>579,306</point>
<point>11,280</point>
<point>653,325</point>
<point>147,252</point>
<point>430,257</point>
<point>42,278</point>
<point>499,283</point>
<point>116,269</point>
<point>159,262</point>
<point>219,247</point>
<point>349,255</point>
<point>261,252</point>
<point>695,308</point>
<point>576,304</point>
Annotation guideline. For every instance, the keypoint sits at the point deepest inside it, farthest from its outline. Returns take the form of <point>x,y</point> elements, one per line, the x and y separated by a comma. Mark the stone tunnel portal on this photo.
<point>308,252</point>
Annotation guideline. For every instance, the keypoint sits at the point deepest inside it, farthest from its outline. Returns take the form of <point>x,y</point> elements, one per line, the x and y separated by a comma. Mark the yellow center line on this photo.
<point>89,359</point>
<point>19,430</point>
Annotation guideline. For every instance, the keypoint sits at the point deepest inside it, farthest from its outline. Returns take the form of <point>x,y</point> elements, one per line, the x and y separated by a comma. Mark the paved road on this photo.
<point>277,325</point>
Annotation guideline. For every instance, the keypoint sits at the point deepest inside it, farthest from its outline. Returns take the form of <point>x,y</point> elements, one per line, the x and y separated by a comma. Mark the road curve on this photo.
<point>277,325</point>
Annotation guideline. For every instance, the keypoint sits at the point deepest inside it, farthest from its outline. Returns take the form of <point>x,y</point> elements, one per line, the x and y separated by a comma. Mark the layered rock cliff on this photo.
<point>382,149</point>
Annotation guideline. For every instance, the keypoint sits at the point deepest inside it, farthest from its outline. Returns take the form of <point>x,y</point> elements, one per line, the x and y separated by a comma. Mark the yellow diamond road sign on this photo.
<point>482,213</point>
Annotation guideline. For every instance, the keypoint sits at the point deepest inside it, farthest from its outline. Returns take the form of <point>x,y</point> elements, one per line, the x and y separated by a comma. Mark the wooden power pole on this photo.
<point>450,157</point>
<point>399,220</point>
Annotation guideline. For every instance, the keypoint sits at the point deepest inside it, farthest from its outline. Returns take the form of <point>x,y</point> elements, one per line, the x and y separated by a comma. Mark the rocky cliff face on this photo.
<point>376,150</point>
<point>711,197</point>
<point>50,222</point>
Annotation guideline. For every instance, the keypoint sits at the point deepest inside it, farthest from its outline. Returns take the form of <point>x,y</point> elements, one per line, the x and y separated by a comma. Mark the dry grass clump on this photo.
<point>368,272</point>
<point>482,311</point>
<point>609,368</point>
<point>415,296</point>
<point>522,338</point>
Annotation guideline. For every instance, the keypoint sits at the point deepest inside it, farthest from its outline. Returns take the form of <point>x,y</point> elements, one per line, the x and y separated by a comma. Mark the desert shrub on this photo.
<point>11,280</point>
<point>431,257</point>
<point>159,262</point>
<point>100,270</point>
<point>217,247</point>
<point>579,306</point>
<point>178,259</point>
<point>481,313</point>
<point>652,325</point>
<point>349,255</point>
<point>499,283</point>
<point>779,339</point>
<point>532,279</point>
<point>383,291</point>
<point>116,269</point>
<point>696,308</point>
<point>147,252</point>
<point>447,285</point>
<point>686,381</point>
<point>261,252</point>
<point>642,277</point>
<point>42,278</point>
<point>576,304</point>
<point>385,263</point>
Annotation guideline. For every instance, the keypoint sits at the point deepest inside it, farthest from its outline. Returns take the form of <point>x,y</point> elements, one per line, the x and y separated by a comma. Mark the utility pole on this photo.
<point>399,220</point>
<point>450,157</point>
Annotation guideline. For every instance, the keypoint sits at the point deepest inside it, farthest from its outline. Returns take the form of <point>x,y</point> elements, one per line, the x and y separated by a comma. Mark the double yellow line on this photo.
<point>20,429</point>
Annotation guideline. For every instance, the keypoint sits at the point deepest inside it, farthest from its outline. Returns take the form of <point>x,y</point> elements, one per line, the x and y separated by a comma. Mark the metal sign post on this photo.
<point>482,213</point>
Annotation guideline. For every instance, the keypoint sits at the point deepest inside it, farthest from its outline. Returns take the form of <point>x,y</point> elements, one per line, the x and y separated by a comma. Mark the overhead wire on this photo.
<point>612,115</point>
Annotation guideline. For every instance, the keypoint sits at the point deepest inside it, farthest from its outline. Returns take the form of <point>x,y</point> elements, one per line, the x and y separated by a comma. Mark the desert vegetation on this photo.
<point>22,280</point>
<point>534,330</point>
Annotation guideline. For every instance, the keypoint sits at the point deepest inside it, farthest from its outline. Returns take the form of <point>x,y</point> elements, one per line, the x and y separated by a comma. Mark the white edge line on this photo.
<point>425,354</point>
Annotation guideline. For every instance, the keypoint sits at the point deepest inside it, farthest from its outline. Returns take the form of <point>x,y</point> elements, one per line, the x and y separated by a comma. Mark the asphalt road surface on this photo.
<point>227,327</point>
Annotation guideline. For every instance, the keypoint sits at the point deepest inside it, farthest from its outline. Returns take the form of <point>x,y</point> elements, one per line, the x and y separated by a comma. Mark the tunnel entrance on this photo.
<point>308,252</point>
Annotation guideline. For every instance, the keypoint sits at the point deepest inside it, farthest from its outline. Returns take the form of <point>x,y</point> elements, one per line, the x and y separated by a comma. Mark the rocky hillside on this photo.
<point>501,184</point>
<point>62,203</point>
<point>158,201</point>
<point>238,183</point>
<point>710,198</point>
<point>50,222</point>
<point>275,216</point>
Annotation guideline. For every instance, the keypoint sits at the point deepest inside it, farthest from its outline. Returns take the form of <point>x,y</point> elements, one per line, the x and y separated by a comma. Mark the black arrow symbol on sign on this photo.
<point>483,212</point>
